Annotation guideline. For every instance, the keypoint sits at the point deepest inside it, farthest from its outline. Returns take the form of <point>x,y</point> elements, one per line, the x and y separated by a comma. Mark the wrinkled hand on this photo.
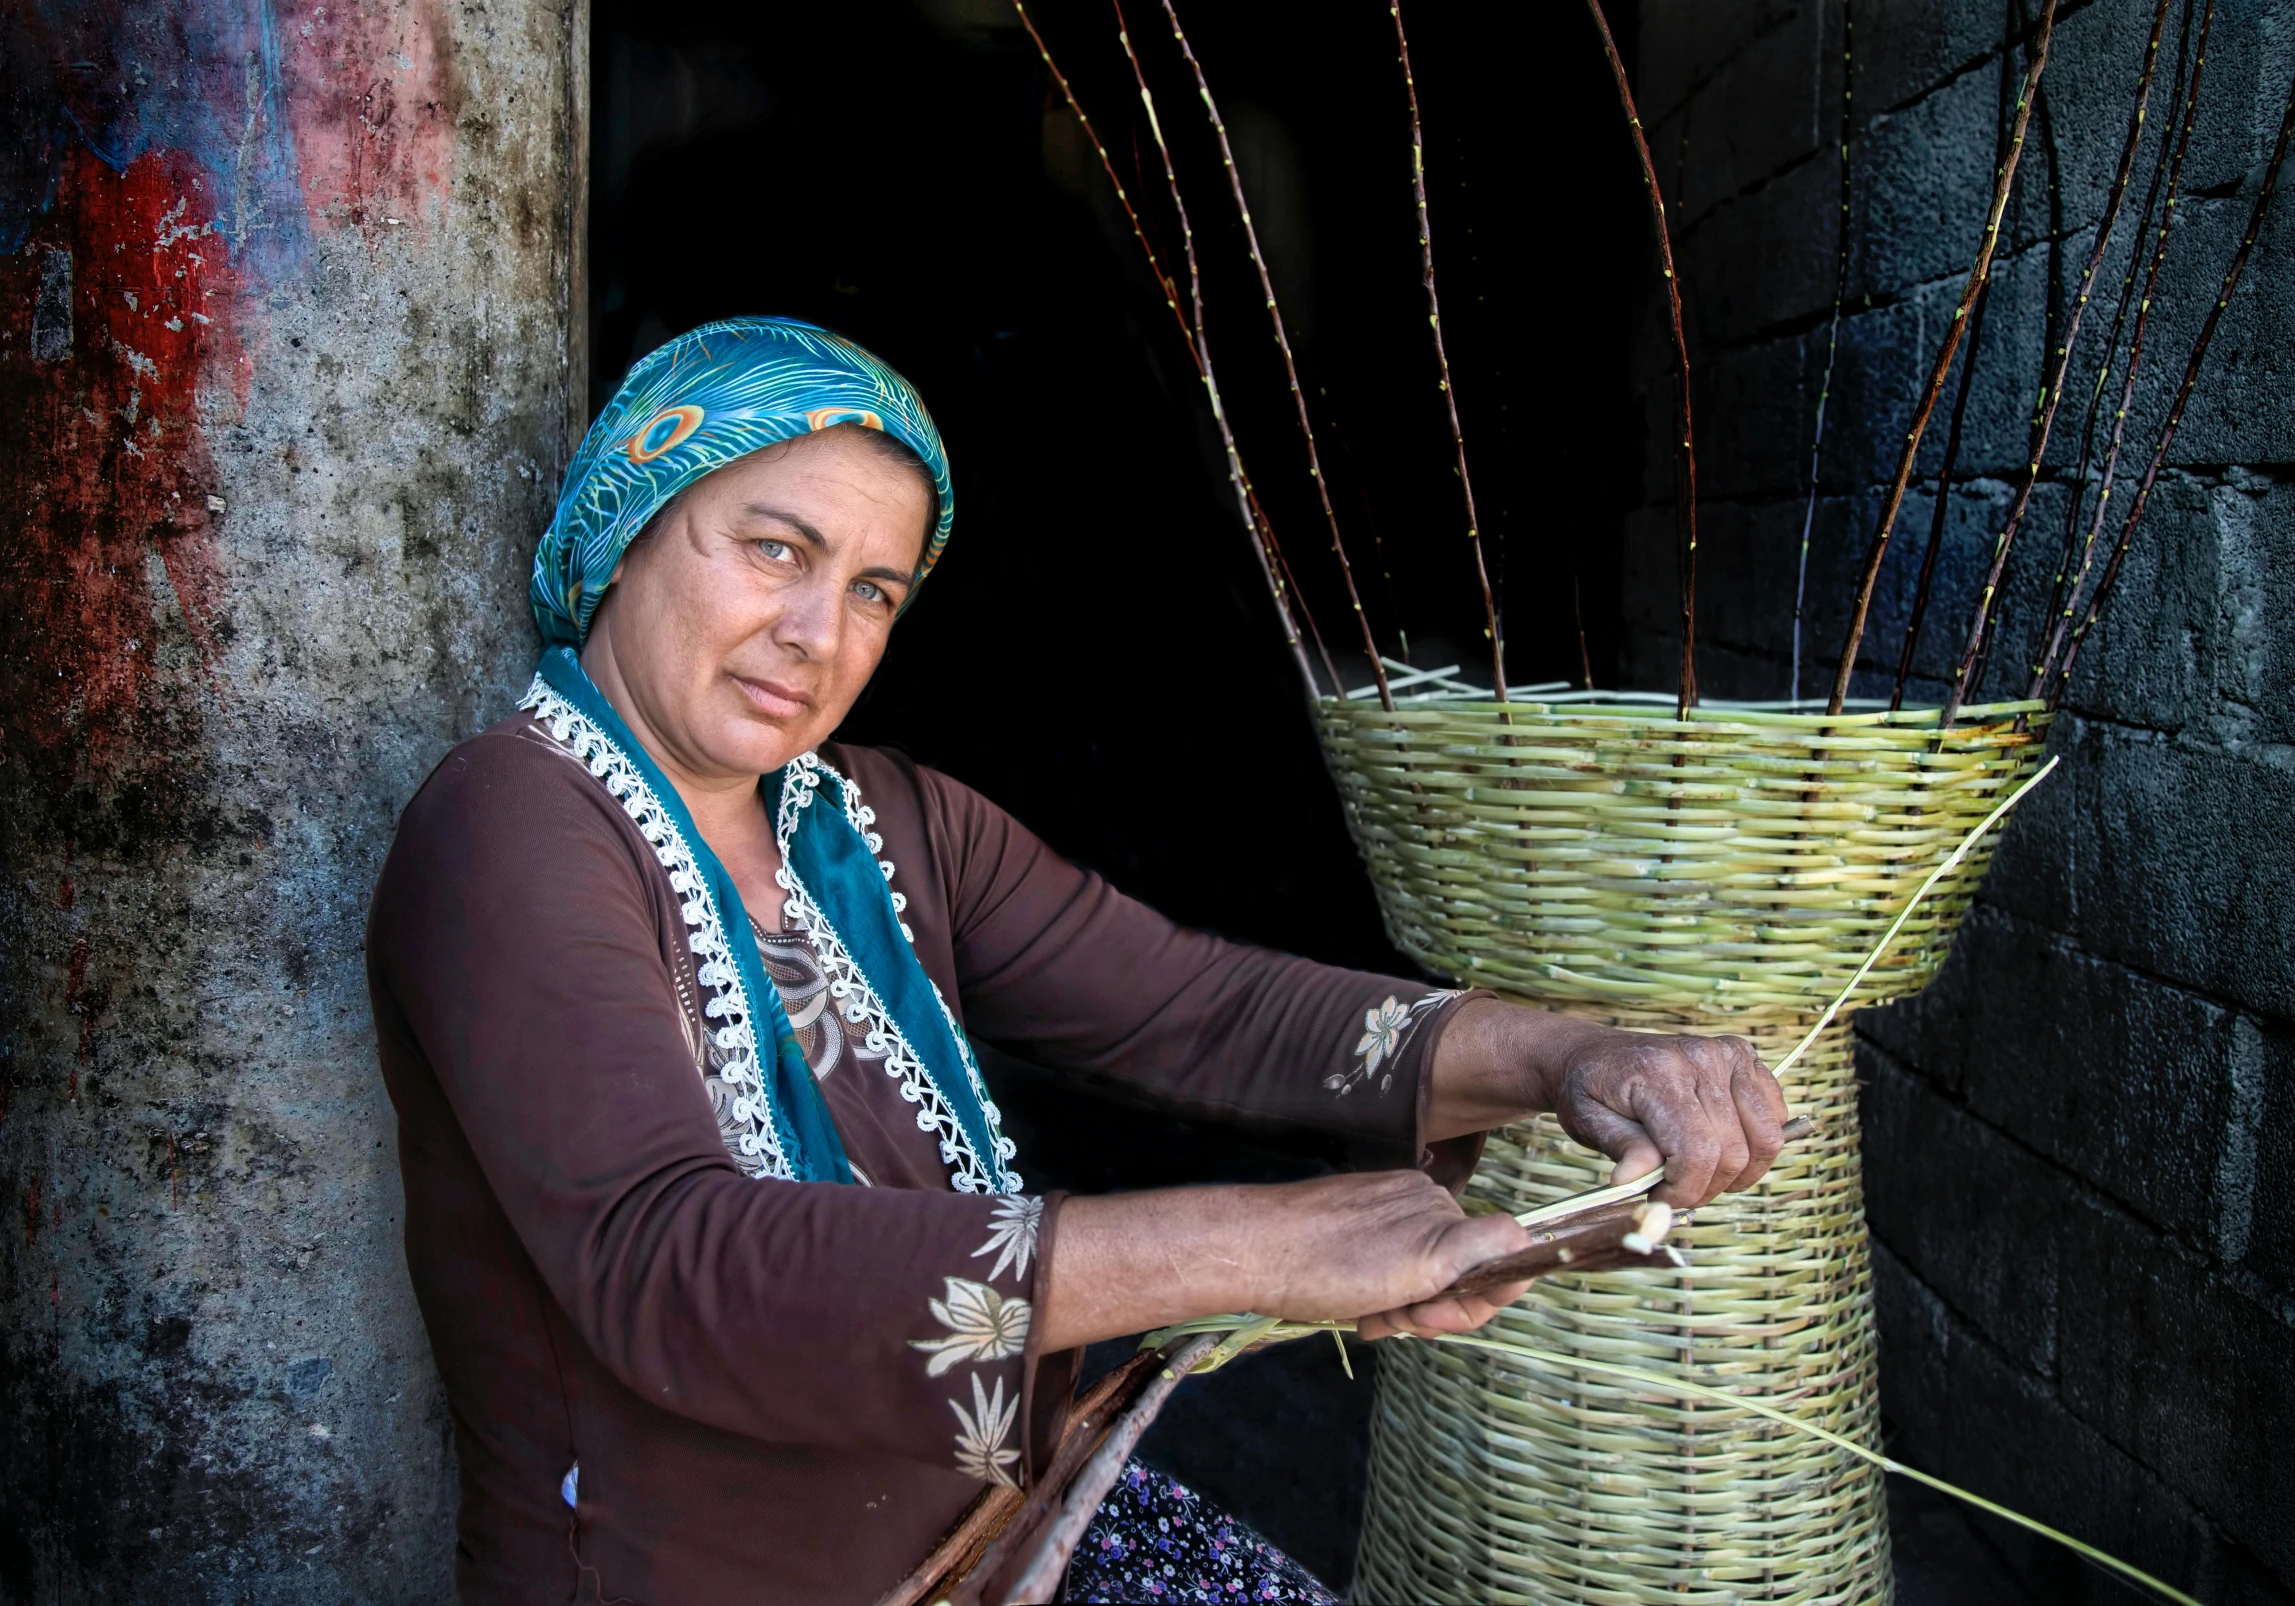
<point>1705,1108</point>
<point>1380,1242</point>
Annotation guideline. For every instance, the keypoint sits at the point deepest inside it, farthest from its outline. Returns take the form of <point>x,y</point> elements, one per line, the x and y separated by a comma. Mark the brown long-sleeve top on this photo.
<point>674,1382</point>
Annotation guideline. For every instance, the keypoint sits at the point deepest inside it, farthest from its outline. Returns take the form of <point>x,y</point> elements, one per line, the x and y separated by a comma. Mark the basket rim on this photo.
<point>1658,713</point>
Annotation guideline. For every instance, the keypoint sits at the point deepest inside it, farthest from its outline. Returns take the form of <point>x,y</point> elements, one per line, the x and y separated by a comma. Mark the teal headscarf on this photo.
<point>710,396</point>
<point>696,404</point>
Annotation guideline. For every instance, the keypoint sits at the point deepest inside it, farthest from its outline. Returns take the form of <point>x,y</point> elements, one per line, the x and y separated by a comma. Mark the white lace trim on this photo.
<point>969,1172</point>
<point>759,1150</point>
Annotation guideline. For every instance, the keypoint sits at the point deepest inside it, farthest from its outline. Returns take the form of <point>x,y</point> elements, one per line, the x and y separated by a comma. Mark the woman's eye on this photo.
<point>869,591</point>
<point>776,550</point>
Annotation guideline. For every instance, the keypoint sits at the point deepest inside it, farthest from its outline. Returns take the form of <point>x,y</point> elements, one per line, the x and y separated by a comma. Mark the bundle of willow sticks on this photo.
<point>1694,1433</point>
<point>2099,529</point>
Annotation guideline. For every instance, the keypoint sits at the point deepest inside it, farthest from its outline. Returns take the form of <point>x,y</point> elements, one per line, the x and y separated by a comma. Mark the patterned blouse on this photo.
<point>776,1392</point>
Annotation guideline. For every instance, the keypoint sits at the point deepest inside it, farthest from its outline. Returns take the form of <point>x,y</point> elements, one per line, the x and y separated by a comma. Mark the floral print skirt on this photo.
<point>1155,1539</point>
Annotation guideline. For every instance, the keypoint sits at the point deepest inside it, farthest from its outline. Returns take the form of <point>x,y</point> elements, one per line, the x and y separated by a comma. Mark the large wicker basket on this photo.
<point>1727,872</point>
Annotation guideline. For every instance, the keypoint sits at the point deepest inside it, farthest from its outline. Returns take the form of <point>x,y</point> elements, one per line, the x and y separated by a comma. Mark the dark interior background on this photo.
<point>1098,651</point>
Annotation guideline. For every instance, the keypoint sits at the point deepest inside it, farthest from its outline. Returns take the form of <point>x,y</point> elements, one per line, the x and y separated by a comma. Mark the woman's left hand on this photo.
<point>1704,1108</point>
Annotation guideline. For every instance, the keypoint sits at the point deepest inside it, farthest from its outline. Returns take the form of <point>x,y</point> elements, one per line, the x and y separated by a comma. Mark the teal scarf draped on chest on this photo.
<point>704,400</point>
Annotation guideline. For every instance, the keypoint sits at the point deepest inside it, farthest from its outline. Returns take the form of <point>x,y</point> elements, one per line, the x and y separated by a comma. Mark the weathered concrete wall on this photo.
<point>284,389</point>
<point>2082,1138</point>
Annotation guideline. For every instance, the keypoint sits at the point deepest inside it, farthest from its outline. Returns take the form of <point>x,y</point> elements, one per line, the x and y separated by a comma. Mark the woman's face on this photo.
<point>741,628</point>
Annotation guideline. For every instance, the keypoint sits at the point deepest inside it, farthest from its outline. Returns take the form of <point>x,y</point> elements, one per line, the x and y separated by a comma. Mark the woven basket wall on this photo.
<point>1727,873</point>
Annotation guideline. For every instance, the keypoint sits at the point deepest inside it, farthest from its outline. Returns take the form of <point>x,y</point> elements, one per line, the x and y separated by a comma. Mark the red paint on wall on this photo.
<point>367,94</point>
<point>106,529</point>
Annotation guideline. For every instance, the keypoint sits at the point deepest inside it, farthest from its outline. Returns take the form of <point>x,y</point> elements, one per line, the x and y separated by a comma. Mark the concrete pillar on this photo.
<point>288,367</point>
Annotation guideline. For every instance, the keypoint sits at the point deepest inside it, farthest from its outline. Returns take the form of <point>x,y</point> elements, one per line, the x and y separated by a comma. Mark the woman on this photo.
<point>734,1286</point>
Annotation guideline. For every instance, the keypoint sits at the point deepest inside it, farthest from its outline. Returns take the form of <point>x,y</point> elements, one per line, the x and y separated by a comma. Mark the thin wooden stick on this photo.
<point>1943,506</point>
<point>1282,344</point>
<point>1491,627</point>
<point>1040,1573</point>
<point>1199,340</point>
<point>1832,335</point>
<point>1685,451</point>
<point>1977,276</point>
<point>985,1519</point>
<point>2075,505</point>
<point>2060,628</point>
<point>1262,534</point>
<point>2053,393</point>
<point>2183,392</point>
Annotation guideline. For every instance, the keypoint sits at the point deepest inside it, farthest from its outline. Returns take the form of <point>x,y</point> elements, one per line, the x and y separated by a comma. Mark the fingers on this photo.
<point>1760,1109</point>
<point>1434,1317</point>
<point>1595,1122</point>
<point>1707,1108</point>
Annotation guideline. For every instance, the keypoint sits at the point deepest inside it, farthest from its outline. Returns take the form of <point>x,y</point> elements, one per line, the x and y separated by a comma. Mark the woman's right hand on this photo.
<point>1374,1247</point>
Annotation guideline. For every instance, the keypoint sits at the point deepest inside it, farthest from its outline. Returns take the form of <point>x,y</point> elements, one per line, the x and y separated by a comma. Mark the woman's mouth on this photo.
<point>774,699</point>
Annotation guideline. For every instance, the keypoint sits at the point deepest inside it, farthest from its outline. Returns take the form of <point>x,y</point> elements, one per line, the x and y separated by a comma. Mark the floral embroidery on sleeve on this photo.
<point>983,1325</point>
<point>1012,1234</point>
<point>1385,1030</point>
<point>981,1432</point>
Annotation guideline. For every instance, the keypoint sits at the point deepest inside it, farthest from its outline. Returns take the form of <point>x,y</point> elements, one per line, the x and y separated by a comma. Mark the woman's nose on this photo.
<point>810,618</point>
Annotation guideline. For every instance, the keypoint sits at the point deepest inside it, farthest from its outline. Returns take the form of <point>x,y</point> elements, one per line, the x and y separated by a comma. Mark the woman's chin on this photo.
<point>757,744</point>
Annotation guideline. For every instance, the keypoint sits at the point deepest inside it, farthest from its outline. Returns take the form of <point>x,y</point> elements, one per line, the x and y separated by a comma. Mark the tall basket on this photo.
<point>1723,873</point>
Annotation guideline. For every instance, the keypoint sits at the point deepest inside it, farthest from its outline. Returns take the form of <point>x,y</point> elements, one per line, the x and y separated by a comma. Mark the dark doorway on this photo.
<point>1098,651</point>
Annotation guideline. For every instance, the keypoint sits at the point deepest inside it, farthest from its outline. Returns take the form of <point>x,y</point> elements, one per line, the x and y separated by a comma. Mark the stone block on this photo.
<point>2087,94</point>
<point>1979,1248</point>
<point>1955,1407</point>
<point>1748,557</point>
<point>1879,371</point>
<point>1921,187</point>
<point>1752,425</point>
<point>2120,1079</point>
<point>1996,420</point>
<point>2189,637</point>
<point>2185,1372</point>
<point>2238,411</point>
<point>2181,867</point>
<point>1685,42</point>
<point>2259,1185</point>
<point>1760,112</point>
<point>1906,49</point>
<point>1757,260</point>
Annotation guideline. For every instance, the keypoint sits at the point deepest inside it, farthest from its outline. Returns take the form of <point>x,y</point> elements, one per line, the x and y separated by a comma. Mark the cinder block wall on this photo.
<point>2081,1139</point>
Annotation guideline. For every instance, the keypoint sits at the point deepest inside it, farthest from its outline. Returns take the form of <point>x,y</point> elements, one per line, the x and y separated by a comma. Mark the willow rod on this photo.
<point>1490,622</point>
<point>1283,344</point>
<point>2073,551</point>
<point>1832,335</point>
<point>2156,260</point>
<point>1963,679</point>
<point>1941,510</point>
<point>2172,157</point>
<point>1977,276</point>
<point>1199,338</point>
<point>1039,1576</point>
<point>1684,451</point>
<point>2183,392</point>
<point>1262,534</point>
